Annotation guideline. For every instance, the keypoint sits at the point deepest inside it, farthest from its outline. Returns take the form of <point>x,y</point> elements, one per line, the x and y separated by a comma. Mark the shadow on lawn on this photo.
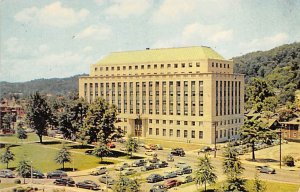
<point>81,147</point>
<point>69,169</point>
<point>106,162</point>
<point>50,142</point>
<point>261,160</point>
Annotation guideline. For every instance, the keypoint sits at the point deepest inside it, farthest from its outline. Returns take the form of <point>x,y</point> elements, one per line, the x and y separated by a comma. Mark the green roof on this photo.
<point>161,55</point>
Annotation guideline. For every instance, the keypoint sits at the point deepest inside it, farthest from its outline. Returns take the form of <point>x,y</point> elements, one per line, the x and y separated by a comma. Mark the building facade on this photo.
<point>186,94</point>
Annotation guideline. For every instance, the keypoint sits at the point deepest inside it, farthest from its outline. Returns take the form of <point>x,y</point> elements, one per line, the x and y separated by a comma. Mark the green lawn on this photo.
<point>42,155</point>
<point>270,186</point>
<point>13,138</point>
<point>6,185</point>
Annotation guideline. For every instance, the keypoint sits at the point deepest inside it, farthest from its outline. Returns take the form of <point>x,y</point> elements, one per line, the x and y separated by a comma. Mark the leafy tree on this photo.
<point>63,156</point>
<point>99,122</point>
<point>38,113</point>
<point>131,146</point>
<point>253,131</point>
<point>124,184</point>
<point>289,160</point>
<point>21,133</point>
<point>232,168</point>
<point>23,169</point>
<point>258,185</point>
<point>205,173</point>
<point>7,119</point>
<point>101,151</point>
<point>270,104</point>
<point>286,114</point>
<point>7,156</point>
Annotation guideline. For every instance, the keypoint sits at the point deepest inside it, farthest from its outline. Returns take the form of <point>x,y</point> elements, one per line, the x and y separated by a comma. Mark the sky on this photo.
<point>47,39</point>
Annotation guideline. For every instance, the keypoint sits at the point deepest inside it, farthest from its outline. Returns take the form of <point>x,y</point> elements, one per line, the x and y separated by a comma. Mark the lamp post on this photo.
<point>106,178</point>
<point>215,152</point>
<point>31,174</point>
<point>280,136</point>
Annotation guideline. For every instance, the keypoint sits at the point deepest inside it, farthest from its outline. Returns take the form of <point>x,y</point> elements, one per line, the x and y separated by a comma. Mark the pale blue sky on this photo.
<point>45,39</point>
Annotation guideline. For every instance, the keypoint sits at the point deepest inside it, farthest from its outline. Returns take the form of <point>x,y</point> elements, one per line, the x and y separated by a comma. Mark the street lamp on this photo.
<point>31,172</point>
<point>106,178</point>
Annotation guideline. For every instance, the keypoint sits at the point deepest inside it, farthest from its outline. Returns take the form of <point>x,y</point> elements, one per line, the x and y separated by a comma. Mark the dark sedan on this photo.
<point>153,178</point>
<point>65,182</point>
<point>87,184</point>
<point>56,174</point>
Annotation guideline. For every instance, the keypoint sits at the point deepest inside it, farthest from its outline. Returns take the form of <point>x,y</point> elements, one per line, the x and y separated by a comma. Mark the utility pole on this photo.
<point>280,146</point>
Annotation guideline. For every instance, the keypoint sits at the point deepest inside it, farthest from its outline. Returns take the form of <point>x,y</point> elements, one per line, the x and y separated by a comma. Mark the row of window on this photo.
<point>158,66</point>
<point>178,133</point>
<point>192,123</point>
<point>226,133</point>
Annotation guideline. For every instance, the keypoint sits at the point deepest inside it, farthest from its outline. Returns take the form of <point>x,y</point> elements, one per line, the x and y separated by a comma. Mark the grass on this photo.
<point>6,185</point>
<point>14,140</point>
<point>42,156</point>
<point>270,186</point>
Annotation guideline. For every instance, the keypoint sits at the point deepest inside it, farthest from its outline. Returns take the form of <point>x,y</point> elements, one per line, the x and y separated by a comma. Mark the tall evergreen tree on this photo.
<point>7,156</point>
<point>258,185</point>
<point>131,146</point>
<point>255,130</point>
<point>21,133</point>
<point>23,169</point>
<point>232,168</point>
<point>205,173</point>
<point>101,151</point>
<point>38,113</point>
<point>99,122</point>
<point>63,156</point>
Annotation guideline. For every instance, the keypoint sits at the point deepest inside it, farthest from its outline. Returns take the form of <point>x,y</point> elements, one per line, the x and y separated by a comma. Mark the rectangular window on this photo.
<point>178,122</point>
<point>193,134</point>
<point>164,122</point>
<point>185,122</point>
<point>193,123</point>
<point>183,65</point>
<point>185,134</point>
<point>200,134</point>
<point>150,131</point>
<point>178,133</point>
<point>150,120</point>
<point>164,132</point>
<point>198,64</point>
<point>157,131</point>
<point>175,65</point>
<point>171,132</point>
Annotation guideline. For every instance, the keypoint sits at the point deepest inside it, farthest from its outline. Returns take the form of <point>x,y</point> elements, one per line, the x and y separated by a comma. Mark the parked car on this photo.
<point>158,188</point>
<point>161,164</point>
<point>87,184</point>
<point>111,145</point>
<point>123,149</point>
<point>122,167</point>
<point>153,160</point>
<point>152,147</point>
<point>67,181</point>
<point>180,164</point>
<point>150,153</point>
<point>106,179</point>
<point>185,179</point>
<point>139,163</point>
<point>267,169</point>
<point>148,167</point>
<point>6,173</point>
<point>184,170</point>
<point>172,183</point>
<point>57,174</point>
<point>99,171</point>
<point>178,152</point>
<point>169,175</point>
<point>159,147</point>
<point>153,178</point>
<point>128,171</point>
<point>205,149</point>
<point>35,174</point>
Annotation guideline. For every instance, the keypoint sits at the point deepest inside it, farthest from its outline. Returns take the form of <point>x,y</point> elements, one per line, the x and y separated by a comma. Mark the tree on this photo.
<point>232,168</point>
<point>21,133</point>
<point>124,184</point>
<point>205,173</point>
<point>7,119</point>
<point>258,185</point>
<point>131,146</point>
<point>101,151</point>
<point>23,169</point>
<point>270,104</point>
<point>63,156</point>
<point>7,156</point>
<point>38,113</point>
<point>253,131</point>
<point>99,122</point>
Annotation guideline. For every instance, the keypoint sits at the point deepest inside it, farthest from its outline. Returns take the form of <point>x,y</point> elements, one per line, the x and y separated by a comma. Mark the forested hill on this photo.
<point>280,65</point>
<point>54,86</point>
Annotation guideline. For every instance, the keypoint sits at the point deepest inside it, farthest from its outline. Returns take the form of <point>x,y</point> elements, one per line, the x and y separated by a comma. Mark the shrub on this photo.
<point>288,160</point>
<point>17,181</point>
